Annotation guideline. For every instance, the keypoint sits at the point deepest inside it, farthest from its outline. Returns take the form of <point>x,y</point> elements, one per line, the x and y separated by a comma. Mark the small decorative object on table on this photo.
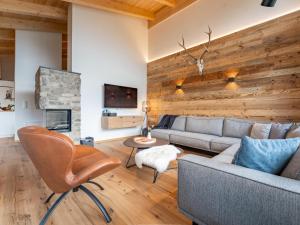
<point>149,133</point>
<point>144,140</point>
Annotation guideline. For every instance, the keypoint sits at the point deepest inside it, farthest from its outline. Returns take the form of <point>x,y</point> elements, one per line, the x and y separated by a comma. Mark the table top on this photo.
<point>131,143</point>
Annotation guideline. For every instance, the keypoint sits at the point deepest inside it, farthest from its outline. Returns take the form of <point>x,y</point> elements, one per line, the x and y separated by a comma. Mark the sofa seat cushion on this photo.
<point>205,125</point>
<point>194,140</point>
<point>228,154</point>
<point>161,134</point>
<point>219,144</point>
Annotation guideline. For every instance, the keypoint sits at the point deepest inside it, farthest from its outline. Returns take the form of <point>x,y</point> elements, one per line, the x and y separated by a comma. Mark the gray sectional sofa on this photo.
<point>215,191</point>
<point>211,134</point>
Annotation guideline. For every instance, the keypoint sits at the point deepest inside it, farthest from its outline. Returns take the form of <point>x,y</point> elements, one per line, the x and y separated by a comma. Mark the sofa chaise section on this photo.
<point>214,191</point>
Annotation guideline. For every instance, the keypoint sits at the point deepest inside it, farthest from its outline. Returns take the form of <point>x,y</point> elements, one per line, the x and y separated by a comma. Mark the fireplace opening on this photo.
<point>59,120</point>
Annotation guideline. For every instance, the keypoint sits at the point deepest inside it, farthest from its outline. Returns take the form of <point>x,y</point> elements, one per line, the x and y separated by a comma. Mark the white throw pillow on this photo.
<point>260,131</point>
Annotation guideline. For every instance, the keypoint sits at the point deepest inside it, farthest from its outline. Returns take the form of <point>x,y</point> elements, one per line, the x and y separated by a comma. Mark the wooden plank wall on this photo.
<point>267,57</point>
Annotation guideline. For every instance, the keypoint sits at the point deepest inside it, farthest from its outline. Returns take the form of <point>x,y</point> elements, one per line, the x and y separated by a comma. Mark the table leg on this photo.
<point>127,164</point>
<point>155,176</point>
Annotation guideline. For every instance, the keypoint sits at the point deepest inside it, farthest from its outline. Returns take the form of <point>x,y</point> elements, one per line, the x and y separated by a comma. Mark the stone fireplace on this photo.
<point>58,94</point>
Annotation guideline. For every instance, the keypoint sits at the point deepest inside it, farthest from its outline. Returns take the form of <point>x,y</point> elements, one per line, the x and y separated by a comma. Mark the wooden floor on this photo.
<point>129,194</point>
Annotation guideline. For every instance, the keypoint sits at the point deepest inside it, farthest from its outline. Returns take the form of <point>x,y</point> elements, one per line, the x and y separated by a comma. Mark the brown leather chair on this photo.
<point>65,166</point>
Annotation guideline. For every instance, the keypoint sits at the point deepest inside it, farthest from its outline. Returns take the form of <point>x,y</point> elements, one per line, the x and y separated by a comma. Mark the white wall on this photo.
<point>33,49</point>
<point>224,17</point>
<point>107,48</point>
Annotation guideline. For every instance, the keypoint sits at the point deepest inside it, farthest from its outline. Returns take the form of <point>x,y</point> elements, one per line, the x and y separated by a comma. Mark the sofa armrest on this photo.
<point>212,192</point>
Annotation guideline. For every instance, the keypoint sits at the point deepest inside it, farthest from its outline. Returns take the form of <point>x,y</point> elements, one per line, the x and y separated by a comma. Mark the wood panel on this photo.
<point>22,23</point>
<point>129,194</point>
<point>267,57</point>
<point>64,51</point>
<point>32,9</point>
<point>7,54</point>
<point>117,122</point>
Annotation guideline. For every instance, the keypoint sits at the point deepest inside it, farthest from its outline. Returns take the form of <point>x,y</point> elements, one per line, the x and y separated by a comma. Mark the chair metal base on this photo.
<point>98,185</point>
<point>75,190</point>
<point>63,195</point>
<point>50,211</point>
<point>49,198</point>
<point>97,202</point>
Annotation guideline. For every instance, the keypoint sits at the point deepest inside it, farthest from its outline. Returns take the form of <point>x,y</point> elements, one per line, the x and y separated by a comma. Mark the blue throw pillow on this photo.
<point>270,156</point>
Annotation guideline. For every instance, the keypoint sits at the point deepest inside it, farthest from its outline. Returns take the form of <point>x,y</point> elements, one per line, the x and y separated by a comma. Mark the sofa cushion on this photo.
<point>179,123</point>
<point>205,125</point>
<point>219,144</point>
<point>279,131</point>
<point>294,132</point>
<point>228,154</point>
<point>161,133</point>
<point>237,127</point>
<point>292,170</point>
<point>270,156</point>
<point>260,131</point>
<point>194,140</point>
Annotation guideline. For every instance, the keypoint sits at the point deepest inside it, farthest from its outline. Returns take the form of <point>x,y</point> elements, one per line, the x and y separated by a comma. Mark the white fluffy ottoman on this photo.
<point>157,158</point>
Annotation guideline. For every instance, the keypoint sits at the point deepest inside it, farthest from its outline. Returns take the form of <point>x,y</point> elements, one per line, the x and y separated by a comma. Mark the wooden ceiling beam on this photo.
<point>28,24</point>
<point>116,7</point>
<point>32,9</point>
<point>170,3</point>
<point>166,12</point>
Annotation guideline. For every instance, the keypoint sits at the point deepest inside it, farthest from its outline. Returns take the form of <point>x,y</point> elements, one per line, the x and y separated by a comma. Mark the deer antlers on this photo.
<point>194,59</point>
<point>199,61</point>
<point>208,44</point>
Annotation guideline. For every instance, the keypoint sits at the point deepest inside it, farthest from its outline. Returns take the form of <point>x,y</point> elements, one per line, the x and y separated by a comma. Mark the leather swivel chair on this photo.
<point>64,166</point>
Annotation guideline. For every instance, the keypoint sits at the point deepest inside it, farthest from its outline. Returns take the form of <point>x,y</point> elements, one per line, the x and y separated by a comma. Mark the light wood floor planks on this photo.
<point>129,195</point>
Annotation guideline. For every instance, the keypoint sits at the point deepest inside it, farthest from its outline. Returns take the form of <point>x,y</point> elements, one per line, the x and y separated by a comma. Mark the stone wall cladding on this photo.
<point>57,89</point>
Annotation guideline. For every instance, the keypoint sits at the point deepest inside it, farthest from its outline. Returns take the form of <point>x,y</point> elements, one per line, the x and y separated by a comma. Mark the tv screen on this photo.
<point>119,96</point>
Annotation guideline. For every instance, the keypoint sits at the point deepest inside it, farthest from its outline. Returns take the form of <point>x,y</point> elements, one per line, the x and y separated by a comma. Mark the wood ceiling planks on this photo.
<point>49,15</point>
<point>115,6</point>
<point>166,12</point>
<point>268,83</point>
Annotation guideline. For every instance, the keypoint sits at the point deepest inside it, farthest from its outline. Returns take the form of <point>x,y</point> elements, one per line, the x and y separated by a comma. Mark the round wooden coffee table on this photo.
<point>136,146</point>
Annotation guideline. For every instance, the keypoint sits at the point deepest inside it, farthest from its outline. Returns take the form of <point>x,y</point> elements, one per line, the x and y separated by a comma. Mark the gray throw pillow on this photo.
<point>279,131</point>
<point>292,170</point>
<point>260,131</point>
<point>294,132</point>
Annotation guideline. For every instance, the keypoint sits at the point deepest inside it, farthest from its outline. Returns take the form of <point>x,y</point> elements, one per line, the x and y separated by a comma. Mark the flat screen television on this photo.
<point>119,96</point>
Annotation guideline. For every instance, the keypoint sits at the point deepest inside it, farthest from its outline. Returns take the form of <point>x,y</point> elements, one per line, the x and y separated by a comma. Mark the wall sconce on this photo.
<point>179,90</point>
<point>231,79</point>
